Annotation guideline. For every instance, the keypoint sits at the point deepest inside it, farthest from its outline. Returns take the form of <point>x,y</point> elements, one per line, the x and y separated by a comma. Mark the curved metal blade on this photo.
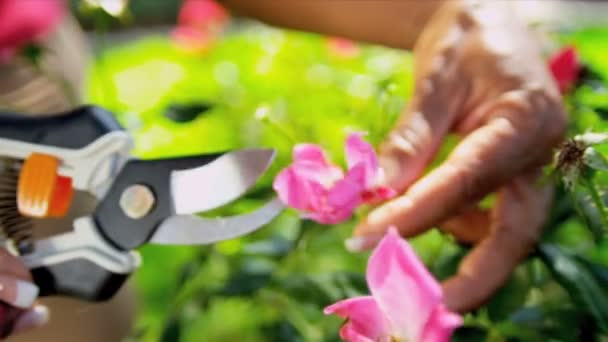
<point>219,182</point>
<point>194,230</point>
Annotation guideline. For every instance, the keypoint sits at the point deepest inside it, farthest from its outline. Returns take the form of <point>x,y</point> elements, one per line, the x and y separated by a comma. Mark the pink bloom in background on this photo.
<point>405,303</point>
<point>25,21</point>
<point>342,47</point>
<point>565,67</point>
<point>321,190</point>
<point>198,24</point>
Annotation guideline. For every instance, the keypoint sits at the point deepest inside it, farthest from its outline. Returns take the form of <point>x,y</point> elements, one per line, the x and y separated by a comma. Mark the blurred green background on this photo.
<point>262,86</point>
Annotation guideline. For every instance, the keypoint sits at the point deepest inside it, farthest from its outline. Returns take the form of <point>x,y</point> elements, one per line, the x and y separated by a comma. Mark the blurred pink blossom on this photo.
<point>321,190</point>
<point>342,47</point>
<point>566,68</point>
<point>198,25</point>
<point>405,303</point>
<point>26,21</point>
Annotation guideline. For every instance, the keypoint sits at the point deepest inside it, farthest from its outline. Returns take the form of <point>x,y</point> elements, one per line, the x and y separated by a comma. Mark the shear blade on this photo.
<point>219,182</point>
<point>194,230</point>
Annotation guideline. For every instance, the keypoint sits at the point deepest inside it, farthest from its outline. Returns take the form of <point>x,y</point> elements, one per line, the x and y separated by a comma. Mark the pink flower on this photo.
<point>321,190</point>
<point>25,21</point>
<point>342,47</point>
<point>565,67</point>
<point>199,22</point>
<point>405,304</point>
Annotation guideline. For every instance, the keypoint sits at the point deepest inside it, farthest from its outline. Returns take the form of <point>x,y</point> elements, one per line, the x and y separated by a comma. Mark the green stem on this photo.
<point>581,213</point>
<point>597,200</point>
<point>281,130</point>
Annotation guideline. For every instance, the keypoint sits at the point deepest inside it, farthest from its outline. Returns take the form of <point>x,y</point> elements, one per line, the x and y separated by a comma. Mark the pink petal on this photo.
<point>342,199</point>
<point>293,190</point>
<point>441,325</point>
<point>378,194</point>
<point>342,47</point>
<point>359,151</point>
<point>403,288</point>
<point>312,162</point>
<point>201,14</point>
<point>565,68</point>
<point>365,321</point>
<point>310,152</point>
<point>190,39</point>
<point>22,22</point>
<point>346,193</point>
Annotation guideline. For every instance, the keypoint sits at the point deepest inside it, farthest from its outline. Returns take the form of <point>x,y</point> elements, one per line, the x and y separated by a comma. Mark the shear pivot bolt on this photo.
<point>137,201</point>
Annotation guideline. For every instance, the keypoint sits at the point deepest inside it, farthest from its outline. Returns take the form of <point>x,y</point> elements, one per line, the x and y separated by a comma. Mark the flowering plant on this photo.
<point>25,22</point>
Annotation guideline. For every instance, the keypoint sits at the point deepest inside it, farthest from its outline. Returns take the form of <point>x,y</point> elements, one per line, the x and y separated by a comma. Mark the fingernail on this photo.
<point>360,243</point>
<point>374,217</point>
<point>354,244</point>
<point>36,317</point>
<point>26,294</point>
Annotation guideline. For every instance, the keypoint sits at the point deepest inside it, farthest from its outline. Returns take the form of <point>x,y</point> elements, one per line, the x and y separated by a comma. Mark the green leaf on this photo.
<point>470,334</point>
<point>183,113</point>
<point>253,275</point>
<point>171,331</point>
<point>591,206</point>
<point>510,297</point>
<point>580,282</point>
<point>33,53</point>
<point>595,160</point>
<point>281,331</point>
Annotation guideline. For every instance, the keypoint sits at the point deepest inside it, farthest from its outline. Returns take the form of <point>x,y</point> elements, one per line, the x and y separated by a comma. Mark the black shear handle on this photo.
<point>78,278</point>
<point>74,130</point>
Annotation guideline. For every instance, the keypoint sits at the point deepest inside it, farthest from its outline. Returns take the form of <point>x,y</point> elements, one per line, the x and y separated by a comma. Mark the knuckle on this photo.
<point>409,139</point>
<point>471,185</point>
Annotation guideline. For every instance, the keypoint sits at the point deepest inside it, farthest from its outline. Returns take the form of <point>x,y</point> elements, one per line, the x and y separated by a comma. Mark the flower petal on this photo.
<point>358,152</point>
<point>365,321</point>
<point>311,161</point>
<point>404,289</point>
<point>201,14</point>
<point>343,198</point>
<point>22,22</point>
<point>441,325</point>
<point>565,68</point>
<point>378,194</point>
<point>346,193</point>
<point>293,189</point>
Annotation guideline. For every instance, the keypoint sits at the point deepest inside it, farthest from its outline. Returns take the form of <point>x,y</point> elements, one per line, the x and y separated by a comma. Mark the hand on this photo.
<point>479,74</point>
<point>17,296</point>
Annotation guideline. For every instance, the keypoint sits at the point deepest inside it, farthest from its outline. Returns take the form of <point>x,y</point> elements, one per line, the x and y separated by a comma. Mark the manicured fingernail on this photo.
<point>374,217</point>
<point>360,243</point>
<point>354,244</point>
<point>36,317</point>
<point>26,294</point>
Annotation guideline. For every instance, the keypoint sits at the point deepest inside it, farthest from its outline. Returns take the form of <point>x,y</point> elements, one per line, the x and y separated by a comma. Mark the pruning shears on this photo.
<point>138,201</point>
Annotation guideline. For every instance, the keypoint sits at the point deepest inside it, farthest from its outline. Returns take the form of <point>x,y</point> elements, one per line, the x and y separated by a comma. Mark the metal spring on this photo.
<point>16,227</point>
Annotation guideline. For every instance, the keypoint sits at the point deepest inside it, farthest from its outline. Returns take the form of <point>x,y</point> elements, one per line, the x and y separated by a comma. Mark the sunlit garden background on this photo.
<point>246,84</point>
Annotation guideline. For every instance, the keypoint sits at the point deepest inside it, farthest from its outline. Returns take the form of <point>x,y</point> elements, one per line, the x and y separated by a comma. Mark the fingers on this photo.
<point>17,292</point>
<point>483,161</point>
<point>10,264</point>
<point>471,226</point>
<point>415,139</point>
<point>33,318</point>
<point>518,218</point>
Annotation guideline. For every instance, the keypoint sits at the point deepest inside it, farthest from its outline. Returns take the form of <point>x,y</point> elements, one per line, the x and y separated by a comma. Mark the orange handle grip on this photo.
<point>41,191</point>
